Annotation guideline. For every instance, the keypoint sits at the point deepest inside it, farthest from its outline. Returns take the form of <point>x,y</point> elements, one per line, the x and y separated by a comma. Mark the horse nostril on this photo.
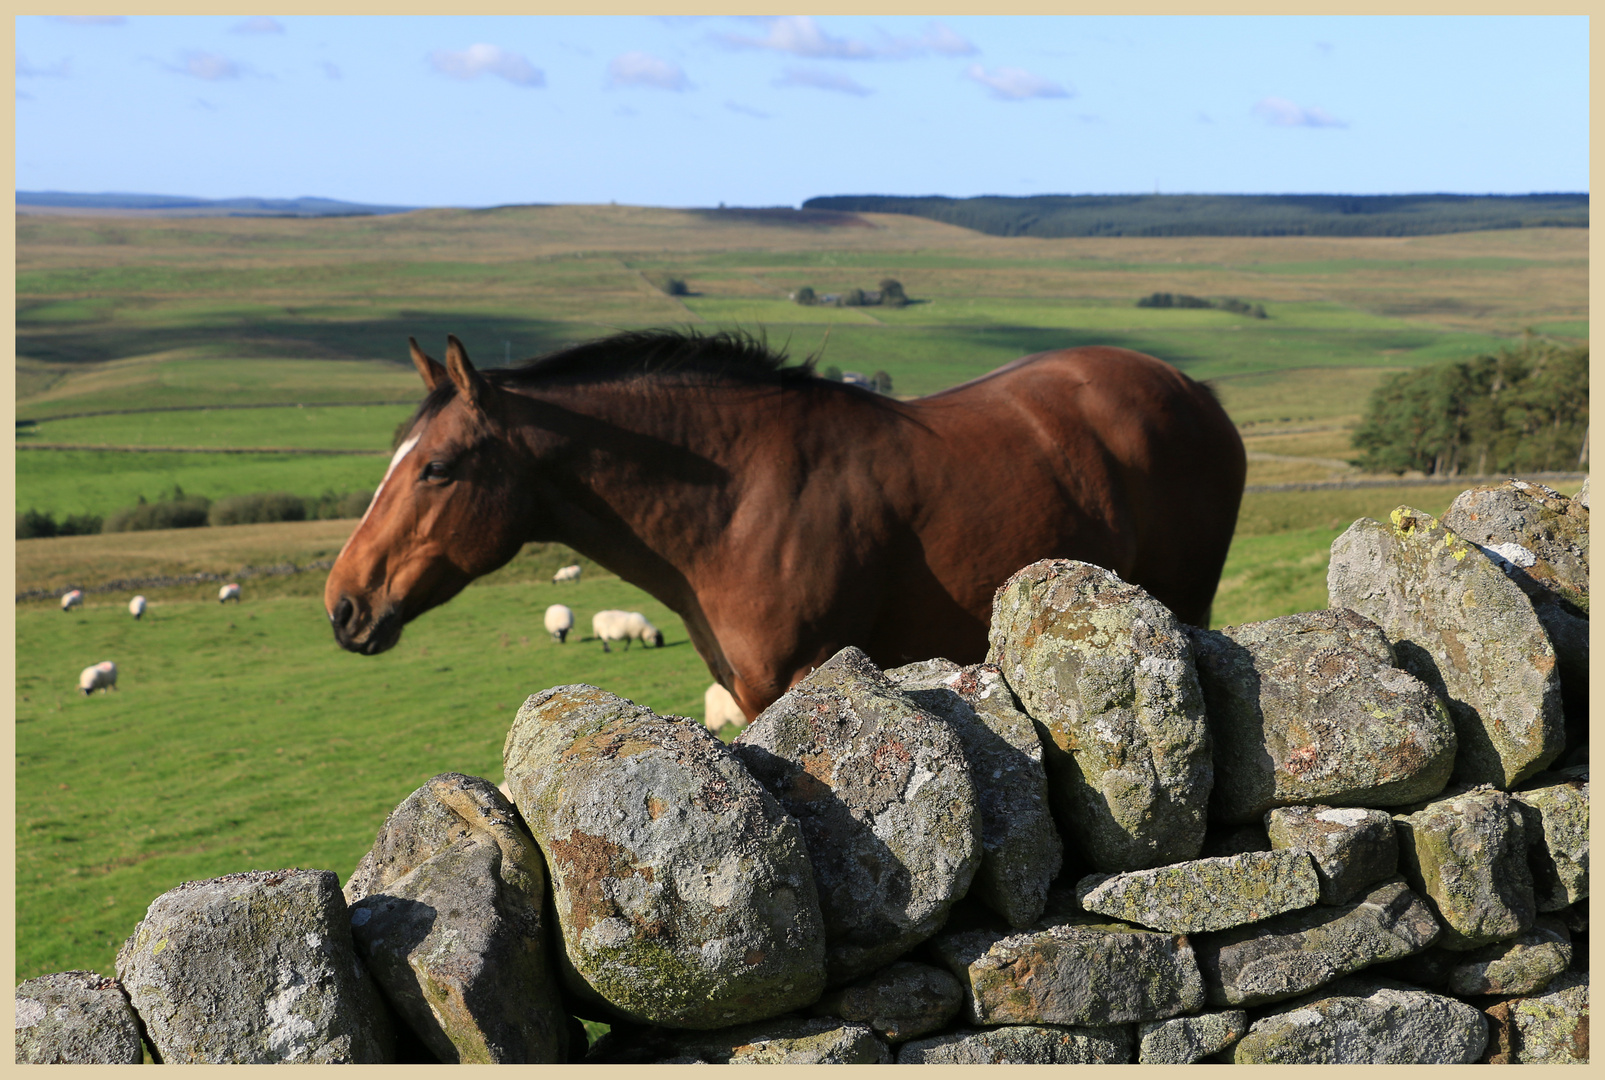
<point>341,615</point>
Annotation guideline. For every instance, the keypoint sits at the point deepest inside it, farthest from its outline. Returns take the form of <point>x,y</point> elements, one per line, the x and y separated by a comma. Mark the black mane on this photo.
<point>635,353</point>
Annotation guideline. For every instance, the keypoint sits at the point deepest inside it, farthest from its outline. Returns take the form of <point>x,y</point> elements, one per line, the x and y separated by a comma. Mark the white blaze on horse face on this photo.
<point>401,451</point>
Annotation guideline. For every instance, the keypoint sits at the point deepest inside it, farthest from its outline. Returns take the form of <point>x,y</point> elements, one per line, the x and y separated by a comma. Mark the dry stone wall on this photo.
<point>1354,835</point>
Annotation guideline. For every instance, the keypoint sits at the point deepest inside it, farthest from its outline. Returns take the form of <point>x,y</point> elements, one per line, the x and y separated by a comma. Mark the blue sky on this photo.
<point>661,111</point>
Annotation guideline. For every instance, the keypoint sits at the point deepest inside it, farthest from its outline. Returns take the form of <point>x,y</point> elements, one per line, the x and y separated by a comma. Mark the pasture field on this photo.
<point>242,737</point>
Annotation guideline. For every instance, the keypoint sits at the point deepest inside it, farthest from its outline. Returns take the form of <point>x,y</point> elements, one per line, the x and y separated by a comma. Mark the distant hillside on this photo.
<point>180,205</point>
<point>1227,215</point>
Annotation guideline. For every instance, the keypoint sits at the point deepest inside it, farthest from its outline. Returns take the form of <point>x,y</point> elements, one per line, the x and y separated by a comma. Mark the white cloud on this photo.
<point>644,69</point>
<point>477,60</point>
<point>944,42</point>
<point>89,20</point>
<point>259,25</point>
<point>209,66</point>
<point>822,80</point>
<point>1279,112</point>
<point>746,110</point>
<point>59,70</point>
<point>800,35</point>
<point>1016,84</point>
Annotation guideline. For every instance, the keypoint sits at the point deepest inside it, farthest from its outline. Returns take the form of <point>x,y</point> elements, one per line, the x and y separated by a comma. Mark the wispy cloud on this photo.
<point>59,70</point>
<point>208,66</point>
<point>331,70</point>
<point>822,80</point>
<point>1016,84</point>
<point>745,110</point>
<point>800,35</point>
<point>259,25</point>
<point>89,20</point>
<point>477,60</point>
<point>1279,112</point>
<point>644,69</point>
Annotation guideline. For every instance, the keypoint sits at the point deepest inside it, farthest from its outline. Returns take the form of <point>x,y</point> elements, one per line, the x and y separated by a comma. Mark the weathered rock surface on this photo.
<point>1184,1040</point>
<point>1467,854</point>
<point>1522,965</point>
<point>1548,1029</point>
<point>76,1018</point>
<point>901,1001</point>
<point>1554,808</point>
<point>888,811</point>
<point>446,910</point>
<point>1205,894</point>
<point>1081,972</point>
<point>1040,1044</point>
<point>818,1041</point>
<point>1353,847</point>
<point>1461,626</point>
<point>1107,674</point>
<point>682,889</point>
<point>254,968</point>
<point>1020,848</point>
<point>1297,952</point>
<point>1365,1022</point>
<point>1310,708</point>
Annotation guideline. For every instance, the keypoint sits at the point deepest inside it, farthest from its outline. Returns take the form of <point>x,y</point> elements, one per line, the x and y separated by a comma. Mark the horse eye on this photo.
<point>437,470</point>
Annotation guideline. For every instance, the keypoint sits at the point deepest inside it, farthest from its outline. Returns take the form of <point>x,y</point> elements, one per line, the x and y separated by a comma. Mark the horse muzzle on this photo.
<point>357,631</point>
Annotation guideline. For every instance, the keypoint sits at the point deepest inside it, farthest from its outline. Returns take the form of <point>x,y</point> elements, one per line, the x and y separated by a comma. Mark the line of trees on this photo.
<point>890,294</point>
<point>1523,409</point>
<point>1183,300</point>
<point>176,510</point>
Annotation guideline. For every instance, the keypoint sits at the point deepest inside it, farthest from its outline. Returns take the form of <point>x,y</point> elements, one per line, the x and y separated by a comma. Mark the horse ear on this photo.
<point>470,383</point>
<point>433,374</point>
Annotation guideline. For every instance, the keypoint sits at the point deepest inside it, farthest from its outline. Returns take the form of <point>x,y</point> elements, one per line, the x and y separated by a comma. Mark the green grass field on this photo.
<point>242,737</point>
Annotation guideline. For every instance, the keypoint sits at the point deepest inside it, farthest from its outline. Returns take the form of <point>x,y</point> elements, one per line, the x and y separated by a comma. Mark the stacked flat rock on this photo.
<point>1040,1044</point>
<point>1186,1040</point>
<point>682,890</point>
<point>1554,808</point>
<point>1310,708</point>
<point>447,912</point>
<point>76,1018</point>
<point>1020,849</point>
<point>1107,674</point>
<point>1353,847</point>
<point>822,1041</point>
<point>1205,894</point>
<point>882,791</point>
<point>1462,627</point>
<point>902,1001</point>
<point>1550,1028</point>
<point>254,968</point>
<point>1524,964</point>
<point>1361,1022</point>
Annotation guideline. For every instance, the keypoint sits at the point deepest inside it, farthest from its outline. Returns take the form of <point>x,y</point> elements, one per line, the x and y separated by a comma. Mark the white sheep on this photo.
<point>136,606</point>
<point>567,573</point>
<point>719,708</point>
<point>231,591</point>
<point>625,626</point>
<point>71,599</point>
<point>559,621</point>
<point>101,676</point>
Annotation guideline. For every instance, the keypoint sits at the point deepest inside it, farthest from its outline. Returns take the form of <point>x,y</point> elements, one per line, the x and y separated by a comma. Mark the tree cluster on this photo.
<point>1524,409</point>
<point>890,294</point>
<point>176,510</point>
<point>1183,300</point>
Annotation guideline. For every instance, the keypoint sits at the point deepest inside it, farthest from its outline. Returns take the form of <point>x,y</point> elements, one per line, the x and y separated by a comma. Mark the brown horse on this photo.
<point>784,516</point>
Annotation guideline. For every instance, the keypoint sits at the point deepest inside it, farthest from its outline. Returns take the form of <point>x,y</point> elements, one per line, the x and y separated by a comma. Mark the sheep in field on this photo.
<point>559,621</point>
<point>136,606</point>
<point>228,592</point>
<point>71,599</point>
<point>719,709</point>
<point>625,626</point>
<point>567,573</point>
<point>101,676</point>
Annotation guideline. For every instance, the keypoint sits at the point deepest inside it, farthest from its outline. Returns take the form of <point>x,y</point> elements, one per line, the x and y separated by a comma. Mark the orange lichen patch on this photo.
<point>753,958</point>
<point>655,807</point>
<point>888,756</point>
<point>583,863</point>
<point>806,787</point>
<point>1302,760</point>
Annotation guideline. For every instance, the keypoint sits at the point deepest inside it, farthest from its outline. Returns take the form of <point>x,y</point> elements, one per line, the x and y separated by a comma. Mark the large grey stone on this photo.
<point>888,811</point>
<point>1082,972</point>
<point>1523,965</point>
<point>1461,626</point>
<point>1554,808</point>
<point>1205,894</point>
<point>1547,1029</point>
<point>454,933</point>
<point>1310,708</point>
<point>902,1001</point>
<point>1353,847</point>
<point>76,1018</point>
<point>1185,1040</point>
<point>1366,1022</point>
<point>1467,854</point>
<point>1020,848</point>
<point>1300,951</point>
<point>1107,673</point>
<point>789,1041</point>
<point>682,890</point>
<point>1040,1044</point>
<point>254,968</point>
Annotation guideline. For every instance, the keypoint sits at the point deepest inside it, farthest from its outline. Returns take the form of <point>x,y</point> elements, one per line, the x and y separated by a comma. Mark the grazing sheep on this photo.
<point>559,621</point>
<point>719,709</point>
<point>567,573</point>
<point>71,599</point>
<point>136,606</point>
<point>228,592</point>
<point>625,626</point>
<point>101,676</point>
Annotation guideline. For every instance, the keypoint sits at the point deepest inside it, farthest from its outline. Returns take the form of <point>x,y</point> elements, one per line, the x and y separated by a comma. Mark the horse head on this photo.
<point>445,513</point>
